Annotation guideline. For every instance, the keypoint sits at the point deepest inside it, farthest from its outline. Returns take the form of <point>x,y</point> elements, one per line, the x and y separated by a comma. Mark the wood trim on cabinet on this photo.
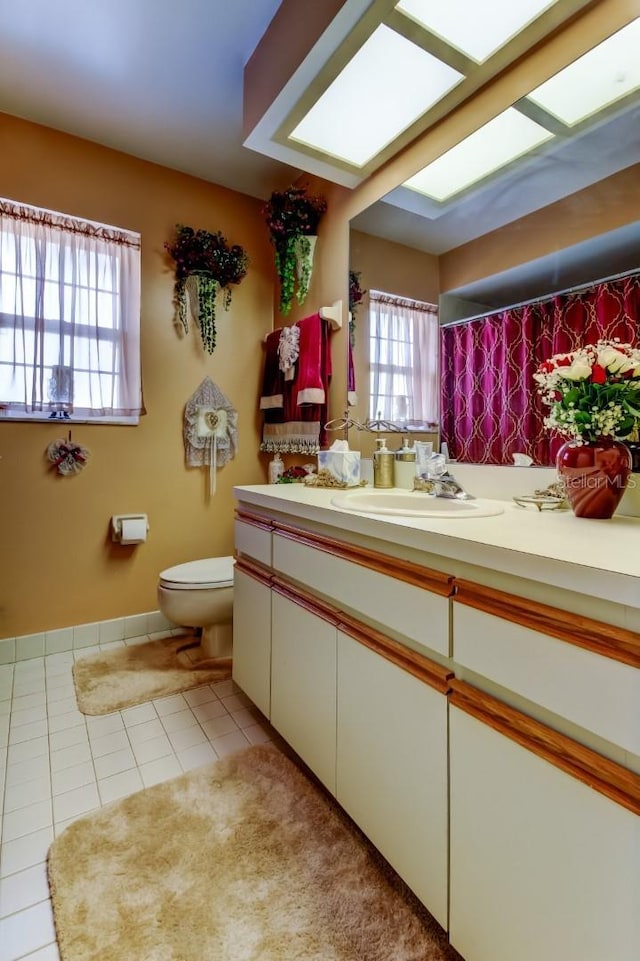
<point>605,776</point>
<point>412,662</point>
<point>618,643</point>
<point>253,569</point>
<point>255,520</point>
<point>401,570</point>
<point>309,601</point>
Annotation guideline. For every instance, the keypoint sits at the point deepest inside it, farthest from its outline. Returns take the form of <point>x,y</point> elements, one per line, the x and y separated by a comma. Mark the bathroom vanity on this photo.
<point>468,688</point>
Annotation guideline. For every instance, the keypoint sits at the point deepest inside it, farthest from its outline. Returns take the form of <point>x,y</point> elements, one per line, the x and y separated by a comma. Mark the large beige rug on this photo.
<point>242,860</point>
<point>131,675</point>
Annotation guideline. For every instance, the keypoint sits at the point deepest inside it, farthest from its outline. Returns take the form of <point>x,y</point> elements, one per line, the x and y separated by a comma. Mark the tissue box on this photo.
<point>344,465</point>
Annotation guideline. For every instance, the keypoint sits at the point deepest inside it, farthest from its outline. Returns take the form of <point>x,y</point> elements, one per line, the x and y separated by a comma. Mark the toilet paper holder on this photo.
<point>129,528</point>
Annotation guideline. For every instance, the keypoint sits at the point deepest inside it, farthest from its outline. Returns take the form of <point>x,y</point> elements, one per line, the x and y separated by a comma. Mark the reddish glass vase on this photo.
<point>595,475</point>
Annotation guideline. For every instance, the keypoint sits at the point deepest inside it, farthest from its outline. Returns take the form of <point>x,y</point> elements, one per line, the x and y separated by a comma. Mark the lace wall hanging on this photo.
<point>210,430</point>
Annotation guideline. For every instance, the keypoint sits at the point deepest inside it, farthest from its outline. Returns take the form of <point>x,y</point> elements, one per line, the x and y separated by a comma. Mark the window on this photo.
<point>403,350</point>
<point>69,318</point>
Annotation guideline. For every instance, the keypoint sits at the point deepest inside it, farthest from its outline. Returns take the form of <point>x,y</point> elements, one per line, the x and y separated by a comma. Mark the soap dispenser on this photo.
<point>405,465</point>
<point>383,462</point>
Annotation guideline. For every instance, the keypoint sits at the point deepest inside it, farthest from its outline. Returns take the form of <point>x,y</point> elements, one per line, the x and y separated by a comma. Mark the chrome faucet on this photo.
<point>448,486</point>
<point>440,483</point>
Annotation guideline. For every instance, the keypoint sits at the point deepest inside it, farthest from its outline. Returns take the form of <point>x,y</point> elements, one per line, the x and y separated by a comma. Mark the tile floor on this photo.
<point>56,765</point>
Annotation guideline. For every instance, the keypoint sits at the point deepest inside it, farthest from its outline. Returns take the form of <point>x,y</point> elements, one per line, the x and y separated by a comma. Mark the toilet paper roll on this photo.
<point>134,530</point>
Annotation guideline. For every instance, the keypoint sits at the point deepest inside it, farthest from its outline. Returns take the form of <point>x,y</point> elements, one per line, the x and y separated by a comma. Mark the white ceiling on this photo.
<point>159,79</point>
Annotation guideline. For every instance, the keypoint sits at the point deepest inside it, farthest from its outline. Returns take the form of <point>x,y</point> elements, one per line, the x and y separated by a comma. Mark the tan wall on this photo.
<point>594,211</point>
<point>58,566</point>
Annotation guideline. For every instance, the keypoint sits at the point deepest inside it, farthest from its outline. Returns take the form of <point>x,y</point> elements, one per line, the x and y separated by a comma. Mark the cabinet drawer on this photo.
<point>254,540</point>
<point>596,692</point>
<point>410,610</point>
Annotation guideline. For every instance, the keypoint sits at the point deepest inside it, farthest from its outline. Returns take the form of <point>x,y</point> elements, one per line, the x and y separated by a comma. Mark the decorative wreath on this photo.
<point>68,458</point>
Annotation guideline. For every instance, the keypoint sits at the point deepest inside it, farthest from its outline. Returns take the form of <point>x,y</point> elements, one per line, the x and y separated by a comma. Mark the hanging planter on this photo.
<point>293,218</point>
<point>204,264</point>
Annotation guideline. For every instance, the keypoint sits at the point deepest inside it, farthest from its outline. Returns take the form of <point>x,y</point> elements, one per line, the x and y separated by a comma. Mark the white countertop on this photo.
<point>600,558</point>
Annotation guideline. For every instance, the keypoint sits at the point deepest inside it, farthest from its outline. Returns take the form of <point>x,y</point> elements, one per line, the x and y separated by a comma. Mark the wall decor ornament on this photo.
<point>594,398</point>
<point>204,263</point>
<point>66,457</point>
<point>210,430</point>
<point>293,217</point>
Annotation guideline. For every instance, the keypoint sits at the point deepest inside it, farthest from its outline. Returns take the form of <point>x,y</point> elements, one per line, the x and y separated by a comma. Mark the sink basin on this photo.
<point>412,504</point>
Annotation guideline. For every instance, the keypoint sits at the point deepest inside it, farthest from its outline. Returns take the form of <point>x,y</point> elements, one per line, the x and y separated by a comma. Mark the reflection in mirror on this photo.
<point>561,221</point>
<point>389,267</point>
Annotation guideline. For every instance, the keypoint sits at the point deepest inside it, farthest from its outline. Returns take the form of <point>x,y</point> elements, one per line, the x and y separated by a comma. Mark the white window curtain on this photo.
<point>69,317</point>
<point>404,361</point>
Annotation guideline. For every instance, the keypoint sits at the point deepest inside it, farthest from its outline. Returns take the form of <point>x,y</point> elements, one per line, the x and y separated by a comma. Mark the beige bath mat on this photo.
<point>131,675</point>
<point>241,860</point>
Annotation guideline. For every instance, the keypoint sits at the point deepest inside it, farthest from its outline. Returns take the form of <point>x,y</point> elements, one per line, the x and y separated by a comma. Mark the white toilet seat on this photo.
<point>205,574</point>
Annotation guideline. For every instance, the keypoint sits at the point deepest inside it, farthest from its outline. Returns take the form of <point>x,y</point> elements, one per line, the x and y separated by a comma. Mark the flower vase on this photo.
<point>304,248</point>
<point>595,475</point>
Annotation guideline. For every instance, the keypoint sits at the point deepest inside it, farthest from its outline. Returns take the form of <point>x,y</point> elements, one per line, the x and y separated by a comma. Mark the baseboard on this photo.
<point>28,646</point>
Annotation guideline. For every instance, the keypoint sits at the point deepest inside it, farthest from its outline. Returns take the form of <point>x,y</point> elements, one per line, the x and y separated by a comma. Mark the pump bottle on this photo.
<point>383,461</point>
<point>276,469</point>
<point>405,466</point>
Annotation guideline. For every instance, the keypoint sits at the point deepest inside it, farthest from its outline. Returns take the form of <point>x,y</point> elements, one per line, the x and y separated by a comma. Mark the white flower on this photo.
<point>615,360</point>
<point>580,369</point>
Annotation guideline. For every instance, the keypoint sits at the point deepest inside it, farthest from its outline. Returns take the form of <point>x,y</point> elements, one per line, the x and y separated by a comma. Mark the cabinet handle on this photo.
<point>434,581</point>
<point>605,776</point>
<point>421,667</point>
<point>617,643</point>
<point>253,569</point>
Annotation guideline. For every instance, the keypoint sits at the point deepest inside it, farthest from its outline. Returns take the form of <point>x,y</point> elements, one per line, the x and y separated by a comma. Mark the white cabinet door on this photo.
<point>303,685</point>
<point>392,767</point>
<point>542,866</point>
<point>252,639</point>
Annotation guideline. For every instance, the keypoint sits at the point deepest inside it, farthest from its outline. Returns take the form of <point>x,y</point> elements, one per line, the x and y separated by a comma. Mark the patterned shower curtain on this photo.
<point>490,405</point>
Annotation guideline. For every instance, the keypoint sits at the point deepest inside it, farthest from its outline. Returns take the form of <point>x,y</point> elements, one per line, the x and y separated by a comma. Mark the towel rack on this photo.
<point>331,314</point>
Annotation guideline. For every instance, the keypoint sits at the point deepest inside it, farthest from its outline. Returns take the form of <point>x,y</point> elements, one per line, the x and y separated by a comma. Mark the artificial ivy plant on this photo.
<point>292,217</point>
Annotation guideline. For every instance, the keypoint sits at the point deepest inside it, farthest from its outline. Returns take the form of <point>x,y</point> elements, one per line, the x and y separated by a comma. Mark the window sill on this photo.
<point>7,417</point>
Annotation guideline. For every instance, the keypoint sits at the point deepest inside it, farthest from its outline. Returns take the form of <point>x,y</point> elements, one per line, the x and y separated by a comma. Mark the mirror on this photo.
<point>561,219</point>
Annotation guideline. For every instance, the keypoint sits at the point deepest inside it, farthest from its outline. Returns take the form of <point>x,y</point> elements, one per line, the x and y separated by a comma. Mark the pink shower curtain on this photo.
<point>490,406</point>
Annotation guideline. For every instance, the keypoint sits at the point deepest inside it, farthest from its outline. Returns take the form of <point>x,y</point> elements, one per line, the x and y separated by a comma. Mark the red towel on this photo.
<point>273,378</point>
<point>298,425</point>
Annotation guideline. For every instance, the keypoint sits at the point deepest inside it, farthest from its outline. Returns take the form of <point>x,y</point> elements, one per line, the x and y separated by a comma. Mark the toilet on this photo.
<point>200,594</point>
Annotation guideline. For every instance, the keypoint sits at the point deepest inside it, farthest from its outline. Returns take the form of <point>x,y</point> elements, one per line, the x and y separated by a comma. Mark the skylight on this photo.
<point>505,138</point>
<point>477,29</point>
<point>388,84</point>
<point>602,76</point>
